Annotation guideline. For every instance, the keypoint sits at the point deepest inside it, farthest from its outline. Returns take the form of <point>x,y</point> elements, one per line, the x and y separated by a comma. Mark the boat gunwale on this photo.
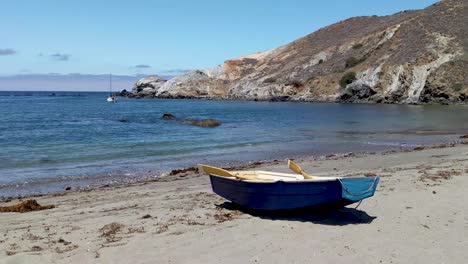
<point>291,181</point>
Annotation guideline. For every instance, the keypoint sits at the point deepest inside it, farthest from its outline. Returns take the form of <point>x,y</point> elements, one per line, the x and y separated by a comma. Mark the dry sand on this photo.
<point>418,215</point>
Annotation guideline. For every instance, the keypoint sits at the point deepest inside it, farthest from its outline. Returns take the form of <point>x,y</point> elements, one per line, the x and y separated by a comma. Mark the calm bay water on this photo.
<point>75,139</point>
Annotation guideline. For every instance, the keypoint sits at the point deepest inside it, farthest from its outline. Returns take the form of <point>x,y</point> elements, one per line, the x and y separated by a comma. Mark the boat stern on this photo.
<point>357,189</point>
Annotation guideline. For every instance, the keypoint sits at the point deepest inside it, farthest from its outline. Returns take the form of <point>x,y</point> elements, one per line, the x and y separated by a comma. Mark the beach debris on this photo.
<point>146,216</point>
<point>36,248</point>
<point>223,217</point>
<point>65,249</point>
<point>439,175</point>
<point>419,148</point>
<point>464,136</point>
<point>26,206</point>
<point>132,230</point>
<point>168,116</point>
<point>189,169</point>
<point>110,231</point>
<point>62,241</point>
<point>162,228</point>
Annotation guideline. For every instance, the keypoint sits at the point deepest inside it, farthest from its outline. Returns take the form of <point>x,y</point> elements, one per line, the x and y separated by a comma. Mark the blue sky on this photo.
<point>163,37</point>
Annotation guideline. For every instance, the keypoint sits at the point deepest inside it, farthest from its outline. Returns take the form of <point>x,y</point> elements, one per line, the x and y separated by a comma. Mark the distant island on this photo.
<point>411,57</point>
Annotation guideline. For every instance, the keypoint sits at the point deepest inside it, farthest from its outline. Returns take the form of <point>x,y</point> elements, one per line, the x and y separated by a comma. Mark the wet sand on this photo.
<point>416,216</point>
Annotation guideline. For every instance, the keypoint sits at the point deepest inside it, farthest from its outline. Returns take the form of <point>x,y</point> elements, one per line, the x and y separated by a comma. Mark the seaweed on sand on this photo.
<point>26,206</point>
<point>110,231</point>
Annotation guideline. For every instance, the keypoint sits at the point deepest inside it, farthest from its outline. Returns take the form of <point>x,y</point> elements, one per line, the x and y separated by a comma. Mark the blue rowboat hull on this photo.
<point>283,195</point>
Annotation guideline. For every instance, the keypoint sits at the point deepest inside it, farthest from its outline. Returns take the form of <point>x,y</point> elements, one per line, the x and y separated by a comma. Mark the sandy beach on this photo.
<point>418,215</point>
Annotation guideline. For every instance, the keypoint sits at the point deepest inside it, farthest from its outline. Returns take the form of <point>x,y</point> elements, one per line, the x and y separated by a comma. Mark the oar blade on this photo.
<point>297,169</point>
<point>215,171</point>
<point>294,167</point>
<point>224,173</point>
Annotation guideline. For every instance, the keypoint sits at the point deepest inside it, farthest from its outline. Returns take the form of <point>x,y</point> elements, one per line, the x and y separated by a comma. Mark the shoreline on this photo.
<point>168,175</point>
<point>417,212</point>
<point>281,99</point>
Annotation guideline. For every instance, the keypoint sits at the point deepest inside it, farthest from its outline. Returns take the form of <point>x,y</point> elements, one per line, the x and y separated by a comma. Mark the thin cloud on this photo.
<point>65,82</point>
<point>60,57</point>
<point>177,71</point>
<point>6,52</point>
<point>142,66</point>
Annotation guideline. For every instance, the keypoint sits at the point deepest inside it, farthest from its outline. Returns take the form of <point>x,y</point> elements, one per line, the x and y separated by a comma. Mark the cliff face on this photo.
<point>409,57</point>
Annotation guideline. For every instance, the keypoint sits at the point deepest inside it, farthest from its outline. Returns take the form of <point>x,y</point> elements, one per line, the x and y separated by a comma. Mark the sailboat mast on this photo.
<point>110,84</point>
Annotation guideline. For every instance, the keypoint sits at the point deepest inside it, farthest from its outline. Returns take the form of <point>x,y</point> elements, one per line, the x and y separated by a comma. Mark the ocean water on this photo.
<point>77,139</point>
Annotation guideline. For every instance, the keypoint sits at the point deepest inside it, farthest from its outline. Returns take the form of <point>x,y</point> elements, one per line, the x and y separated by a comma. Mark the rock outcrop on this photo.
<point>410,57</point>
<point>147,87</point>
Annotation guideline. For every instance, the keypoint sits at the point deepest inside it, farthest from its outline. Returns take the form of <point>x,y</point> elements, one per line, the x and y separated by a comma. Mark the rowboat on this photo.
<point>265,190</point>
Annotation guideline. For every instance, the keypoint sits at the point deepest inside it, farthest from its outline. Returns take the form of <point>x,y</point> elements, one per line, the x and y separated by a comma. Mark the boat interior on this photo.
<point>260,175</point>
<point>278,176</point>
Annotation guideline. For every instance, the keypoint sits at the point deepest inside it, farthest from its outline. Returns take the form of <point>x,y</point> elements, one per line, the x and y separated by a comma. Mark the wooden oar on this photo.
<point>297,169</point>
<point>224,173</point>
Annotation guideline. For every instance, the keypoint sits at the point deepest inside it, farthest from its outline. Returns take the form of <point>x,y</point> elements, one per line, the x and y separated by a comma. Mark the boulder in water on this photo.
<point>202,123</point>
<point>124,93</point>
<point>168,116</point>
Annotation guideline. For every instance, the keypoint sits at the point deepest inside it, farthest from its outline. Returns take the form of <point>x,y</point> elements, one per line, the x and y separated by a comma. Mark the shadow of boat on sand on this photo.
<point>324,215</point>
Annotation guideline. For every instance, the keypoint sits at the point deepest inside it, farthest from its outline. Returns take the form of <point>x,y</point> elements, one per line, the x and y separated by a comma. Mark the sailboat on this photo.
<point>111,98</point>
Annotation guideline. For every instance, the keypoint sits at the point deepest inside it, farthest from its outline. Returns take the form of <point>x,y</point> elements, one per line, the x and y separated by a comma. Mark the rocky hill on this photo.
<point>416,56</point>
